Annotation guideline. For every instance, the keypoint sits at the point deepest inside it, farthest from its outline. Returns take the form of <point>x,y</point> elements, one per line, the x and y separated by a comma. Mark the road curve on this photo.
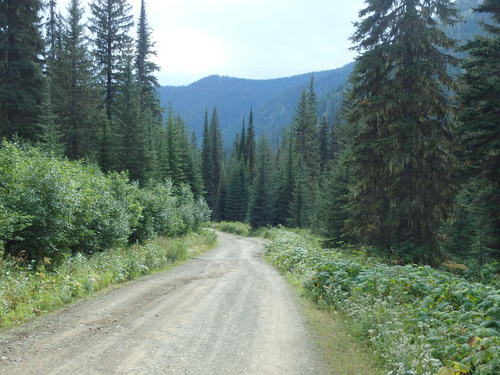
<point>225,313</point>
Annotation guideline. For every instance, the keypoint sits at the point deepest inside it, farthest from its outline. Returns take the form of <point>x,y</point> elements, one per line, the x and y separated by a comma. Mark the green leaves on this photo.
<point>53,207</point>
<point>417,318</point>
<point>402,182</point>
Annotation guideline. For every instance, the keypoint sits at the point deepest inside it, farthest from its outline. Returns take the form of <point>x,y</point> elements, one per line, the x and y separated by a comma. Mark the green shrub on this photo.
<point>235,227</point>
<point>418,319</point>
<point>53,207</point>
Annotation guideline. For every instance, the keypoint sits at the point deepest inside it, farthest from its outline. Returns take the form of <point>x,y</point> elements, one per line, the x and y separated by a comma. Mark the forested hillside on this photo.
<point>404,161</point>
<point>409,167</point>
<point>272,100</point>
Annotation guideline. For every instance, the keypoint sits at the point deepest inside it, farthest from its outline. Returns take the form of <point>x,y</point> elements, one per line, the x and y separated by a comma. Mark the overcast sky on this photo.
<point>255,39</point>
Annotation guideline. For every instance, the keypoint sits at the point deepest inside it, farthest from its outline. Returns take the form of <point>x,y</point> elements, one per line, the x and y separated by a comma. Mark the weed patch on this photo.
<point>233,227</point>
<point>417,319</point>
<point>26,292</point>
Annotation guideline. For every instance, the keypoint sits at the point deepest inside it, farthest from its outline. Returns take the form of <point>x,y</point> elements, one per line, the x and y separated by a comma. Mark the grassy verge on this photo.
<point>26,292</point>
<point>233,227</point>
<point>342,352</point>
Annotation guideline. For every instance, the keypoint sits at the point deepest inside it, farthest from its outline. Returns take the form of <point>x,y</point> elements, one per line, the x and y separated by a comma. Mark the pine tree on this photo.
<point>75,95</point>
<point>21,80</point>
<point>242,146</point>
<point>480,130</point>
<point>250,149</point>
<point>110,23</point>
<point>212,162</point>
<point>402,185</point>
<point>237,190</point>
<point>176,144</point>
<point>305,128</point>
<point>299,206</point>
<point>194,176</point>
<point>146,68</point>
<point>334,194</point>
<point>261,207</point>
<point>129,129</point>
<point>50,137</point>
<point>52,30</point>
<point>324,144</point>
<point>206,159</point>
<point>286,182</point>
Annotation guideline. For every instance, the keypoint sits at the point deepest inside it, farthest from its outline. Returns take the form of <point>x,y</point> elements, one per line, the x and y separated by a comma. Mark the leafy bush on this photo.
<point>420,320</point>
<point>53,207</point>
<point>169,211</point>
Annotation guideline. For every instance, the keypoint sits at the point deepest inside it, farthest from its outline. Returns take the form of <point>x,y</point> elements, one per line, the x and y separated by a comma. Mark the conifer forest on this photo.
<point>409,168</point>
<point>382,201</point>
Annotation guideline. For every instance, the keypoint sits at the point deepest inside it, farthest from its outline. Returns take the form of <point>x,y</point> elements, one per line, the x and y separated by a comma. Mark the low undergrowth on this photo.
<point>234,227</point>
<point>419,320</point>
<point>27,291</point>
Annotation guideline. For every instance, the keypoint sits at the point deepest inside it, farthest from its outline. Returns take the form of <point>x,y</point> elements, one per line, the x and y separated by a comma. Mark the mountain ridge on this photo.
<point>271,100</point>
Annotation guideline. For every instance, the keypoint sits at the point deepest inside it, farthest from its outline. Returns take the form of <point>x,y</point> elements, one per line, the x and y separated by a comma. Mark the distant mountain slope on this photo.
<point>273,100</point>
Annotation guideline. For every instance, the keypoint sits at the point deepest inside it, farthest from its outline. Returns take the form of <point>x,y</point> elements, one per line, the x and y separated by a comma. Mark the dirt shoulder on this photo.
<point>226,312</point>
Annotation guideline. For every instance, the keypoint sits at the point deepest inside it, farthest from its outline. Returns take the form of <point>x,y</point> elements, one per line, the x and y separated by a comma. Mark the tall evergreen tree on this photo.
<point>194,175</point>
<point>324,144</point>
<point>261,207</point>
<point>242,147</point>
<point>75,95</point>
<point>129,129</point>
<point>52,30</point>
<point>176,144</point>
<point>305,130</point>
<point>237,190</point>
<point>110,23</point>
<point>250,148</point>
<point>212,162</point>
<point>286,180</point>
<point>402,183</point>
<point>146,68</point>
<point>480,133</point>
<point>206,157</point>
<point>302,196</point>
<point>21,80</point>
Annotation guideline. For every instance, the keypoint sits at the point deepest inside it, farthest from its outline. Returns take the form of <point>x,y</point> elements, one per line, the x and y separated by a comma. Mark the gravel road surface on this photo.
<point>226,312</point>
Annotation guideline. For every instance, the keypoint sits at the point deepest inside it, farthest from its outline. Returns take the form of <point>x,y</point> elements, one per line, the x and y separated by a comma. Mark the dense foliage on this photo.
<point>409,164</point>
<point>53,207</point>
<point>418,319</point>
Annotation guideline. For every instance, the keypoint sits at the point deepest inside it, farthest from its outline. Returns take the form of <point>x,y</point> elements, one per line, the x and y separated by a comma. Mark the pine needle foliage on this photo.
<point>402,183</point>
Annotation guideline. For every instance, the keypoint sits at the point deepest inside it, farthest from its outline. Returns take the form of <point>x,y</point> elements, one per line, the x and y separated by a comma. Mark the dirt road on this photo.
<point>227,312</point>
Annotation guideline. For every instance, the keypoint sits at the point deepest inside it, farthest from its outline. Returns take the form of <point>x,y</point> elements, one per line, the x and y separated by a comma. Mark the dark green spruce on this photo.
<point>21,79</point>
<point>402,184</point>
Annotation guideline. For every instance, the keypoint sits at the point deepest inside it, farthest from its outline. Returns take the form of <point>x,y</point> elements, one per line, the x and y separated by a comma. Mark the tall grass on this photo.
<point>27,291</point>
<point>234,227</point>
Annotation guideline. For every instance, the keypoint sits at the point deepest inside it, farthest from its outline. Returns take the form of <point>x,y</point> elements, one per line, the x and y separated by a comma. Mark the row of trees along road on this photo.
<point>410,167</point>
<point>89,90</point>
